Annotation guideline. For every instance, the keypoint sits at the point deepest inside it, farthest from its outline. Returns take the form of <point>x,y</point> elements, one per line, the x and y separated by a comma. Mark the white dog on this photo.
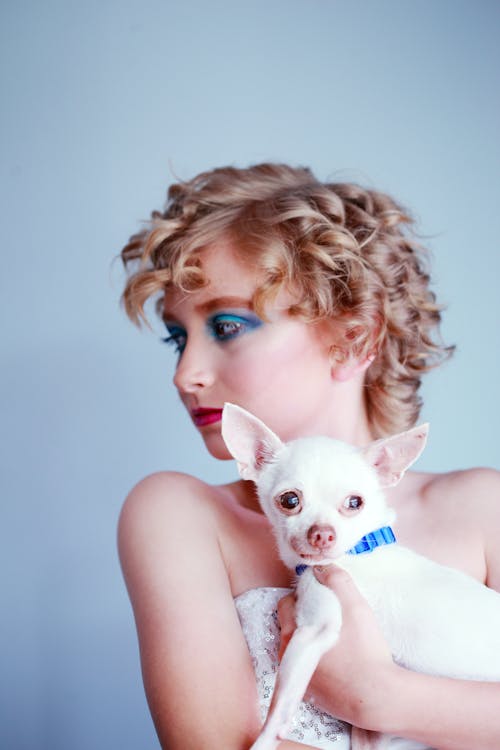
<point>325,501</point>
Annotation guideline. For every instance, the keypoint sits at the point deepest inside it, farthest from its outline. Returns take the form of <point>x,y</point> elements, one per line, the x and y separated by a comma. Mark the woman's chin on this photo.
<point>216,446</point>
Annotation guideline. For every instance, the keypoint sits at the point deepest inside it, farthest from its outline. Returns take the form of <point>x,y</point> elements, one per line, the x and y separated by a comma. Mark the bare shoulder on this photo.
<point>162,494</point>
<point>479,487</point>
<point>164,487</point>
<point>162,515</point>
<point>470,500</point>
<point>452,518</point>
<point>165,517</point>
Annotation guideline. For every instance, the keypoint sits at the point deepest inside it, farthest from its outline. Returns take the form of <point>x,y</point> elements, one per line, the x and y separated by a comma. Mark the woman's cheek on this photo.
<point>247,371</point>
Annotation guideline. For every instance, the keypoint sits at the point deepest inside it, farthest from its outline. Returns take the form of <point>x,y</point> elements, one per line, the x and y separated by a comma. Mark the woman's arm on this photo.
<point>358,682</point>
<point>197,671</point>
<point>444,713</point>
<point>196,668</point>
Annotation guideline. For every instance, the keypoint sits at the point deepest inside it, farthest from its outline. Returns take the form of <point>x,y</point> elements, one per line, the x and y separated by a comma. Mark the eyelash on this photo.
<point>175,340</point>
<point>216,325</point>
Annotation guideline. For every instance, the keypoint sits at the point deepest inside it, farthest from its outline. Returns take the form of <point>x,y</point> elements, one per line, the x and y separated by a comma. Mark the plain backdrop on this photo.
<point>103,102</point>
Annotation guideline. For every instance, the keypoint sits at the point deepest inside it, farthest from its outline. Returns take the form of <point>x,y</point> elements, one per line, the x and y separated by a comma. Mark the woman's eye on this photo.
<point>289,501</point>
<point>227,327</point>
<point>177,338</point>
<point>353,502</point>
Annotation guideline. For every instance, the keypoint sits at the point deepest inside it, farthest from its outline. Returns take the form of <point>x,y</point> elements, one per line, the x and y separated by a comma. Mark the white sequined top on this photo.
<point>257,612</point>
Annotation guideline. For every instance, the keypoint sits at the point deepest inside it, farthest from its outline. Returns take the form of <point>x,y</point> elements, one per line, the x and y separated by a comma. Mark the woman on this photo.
<point>308,304</point>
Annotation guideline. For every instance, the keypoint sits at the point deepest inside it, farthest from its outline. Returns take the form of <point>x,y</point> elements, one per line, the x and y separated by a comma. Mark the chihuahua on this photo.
<point>325,502</point>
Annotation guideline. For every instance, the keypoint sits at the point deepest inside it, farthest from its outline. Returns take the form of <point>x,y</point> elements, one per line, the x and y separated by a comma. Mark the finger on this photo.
<point>340,582</point>
<point>331,575</point>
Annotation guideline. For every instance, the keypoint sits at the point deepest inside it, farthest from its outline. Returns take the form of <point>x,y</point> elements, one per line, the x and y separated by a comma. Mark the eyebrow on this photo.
<point>215,304</point>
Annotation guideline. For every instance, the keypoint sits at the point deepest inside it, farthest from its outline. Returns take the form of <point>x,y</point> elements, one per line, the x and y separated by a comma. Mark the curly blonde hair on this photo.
<point>348,253</point>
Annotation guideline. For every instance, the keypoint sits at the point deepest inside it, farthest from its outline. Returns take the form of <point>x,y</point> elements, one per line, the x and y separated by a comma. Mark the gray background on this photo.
<point>102,103</point>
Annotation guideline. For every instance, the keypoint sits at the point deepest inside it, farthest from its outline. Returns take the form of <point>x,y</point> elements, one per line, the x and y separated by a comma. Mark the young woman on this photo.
<point>309,305</point>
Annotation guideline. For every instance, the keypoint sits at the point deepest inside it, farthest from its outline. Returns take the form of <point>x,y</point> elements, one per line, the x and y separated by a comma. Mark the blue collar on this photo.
<point>374,539</point>
<point>377,538</point>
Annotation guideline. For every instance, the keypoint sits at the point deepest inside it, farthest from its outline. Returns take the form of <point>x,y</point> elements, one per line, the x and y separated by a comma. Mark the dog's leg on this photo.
<point>301,657</point>
<point>364,739</point>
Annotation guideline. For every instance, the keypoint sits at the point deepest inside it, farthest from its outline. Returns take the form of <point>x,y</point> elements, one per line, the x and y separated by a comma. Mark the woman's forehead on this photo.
<point>229,282</point>
<point>224,270</point>
<point>224,263</point>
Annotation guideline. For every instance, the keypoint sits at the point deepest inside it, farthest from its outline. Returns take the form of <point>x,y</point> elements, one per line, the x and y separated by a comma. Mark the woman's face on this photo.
<point>278,369</point>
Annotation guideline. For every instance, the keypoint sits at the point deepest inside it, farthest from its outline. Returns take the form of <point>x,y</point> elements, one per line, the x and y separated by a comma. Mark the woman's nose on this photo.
<point>195,369</point>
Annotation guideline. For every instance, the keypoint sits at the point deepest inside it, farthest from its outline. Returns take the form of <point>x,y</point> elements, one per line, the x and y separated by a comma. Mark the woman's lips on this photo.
<point>202,417</point>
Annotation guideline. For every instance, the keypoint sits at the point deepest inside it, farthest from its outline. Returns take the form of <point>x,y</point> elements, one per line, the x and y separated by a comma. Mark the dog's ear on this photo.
<point>391,457</point>
<point>248,440</point>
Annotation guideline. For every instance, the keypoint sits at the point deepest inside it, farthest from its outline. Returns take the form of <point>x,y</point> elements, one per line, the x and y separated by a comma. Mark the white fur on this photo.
<point>436,619</point>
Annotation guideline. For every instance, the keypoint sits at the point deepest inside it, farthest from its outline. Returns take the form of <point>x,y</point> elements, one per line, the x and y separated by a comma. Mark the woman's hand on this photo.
<point>352,678</point>
<point>357,681</point>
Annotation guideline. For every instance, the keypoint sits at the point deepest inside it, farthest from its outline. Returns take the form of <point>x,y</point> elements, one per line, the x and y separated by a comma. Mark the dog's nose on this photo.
<point>321,537</point>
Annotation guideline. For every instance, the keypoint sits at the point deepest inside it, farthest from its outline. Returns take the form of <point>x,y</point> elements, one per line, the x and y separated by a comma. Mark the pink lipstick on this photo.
<point>202,417</point>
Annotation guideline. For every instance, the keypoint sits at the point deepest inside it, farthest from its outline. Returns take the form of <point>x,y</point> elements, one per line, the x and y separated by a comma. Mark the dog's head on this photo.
<point>321,495</point>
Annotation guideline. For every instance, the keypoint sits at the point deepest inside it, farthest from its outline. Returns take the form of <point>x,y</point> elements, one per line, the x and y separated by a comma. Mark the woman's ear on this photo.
<point>353,348</point>
<point>344,366</point>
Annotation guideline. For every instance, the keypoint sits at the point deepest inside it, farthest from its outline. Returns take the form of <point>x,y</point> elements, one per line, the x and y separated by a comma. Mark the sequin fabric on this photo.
<point>257,610</point>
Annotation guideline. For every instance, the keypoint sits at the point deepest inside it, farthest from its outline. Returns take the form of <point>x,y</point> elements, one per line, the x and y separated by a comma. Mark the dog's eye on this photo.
<point>353,502</point>
<point>289,501</point>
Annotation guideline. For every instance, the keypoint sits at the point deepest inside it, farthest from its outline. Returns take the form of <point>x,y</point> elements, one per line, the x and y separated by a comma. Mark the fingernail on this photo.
<point>321,570</point>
